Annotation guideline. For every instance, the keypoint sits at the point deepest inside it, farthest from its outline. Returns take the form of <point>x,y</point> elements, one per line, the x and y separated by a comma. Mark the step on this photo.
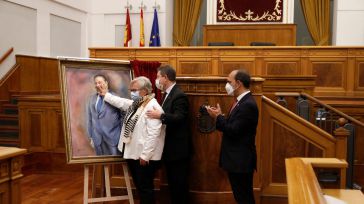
<point>9,131</point>
<point>10,108</point>
<point>14,98</point>
<point>9,119</point>
<point>9,142</point>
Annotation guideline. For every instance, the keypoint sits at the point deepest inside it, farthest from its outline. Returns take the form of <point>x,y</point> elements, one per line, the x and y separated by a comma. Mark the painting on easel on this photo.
<point>92,127</point>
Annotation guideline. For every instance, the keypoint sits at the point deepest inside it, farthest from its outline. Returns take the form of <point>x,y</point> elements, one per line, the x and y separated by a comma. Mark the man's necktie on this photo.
<point>99,104</point>
<point>233,105</point>
<point>164,97</point>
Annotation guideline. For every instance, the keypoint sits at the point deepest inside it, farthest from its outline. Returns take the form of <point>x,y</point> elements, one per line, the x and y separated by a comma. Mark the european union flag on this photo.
<point>154,35</point>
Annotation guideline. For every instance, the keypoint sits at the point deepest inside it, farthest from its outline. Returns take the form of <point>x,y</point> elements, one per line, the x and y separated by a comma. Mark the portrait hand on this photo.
<point>102,90</point>
<point>154,113</point>
<point>92,143</point>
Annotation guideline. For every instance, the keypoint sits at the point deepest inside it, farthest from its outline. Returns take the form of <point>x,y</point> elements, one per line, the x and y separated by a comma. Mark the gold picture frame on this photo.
<point>77,89</point>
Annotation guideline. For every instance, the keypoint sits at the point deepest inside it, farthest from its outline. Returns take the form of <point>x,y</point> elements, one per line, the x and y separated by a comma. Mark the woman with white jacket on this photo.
<point>142,138</point>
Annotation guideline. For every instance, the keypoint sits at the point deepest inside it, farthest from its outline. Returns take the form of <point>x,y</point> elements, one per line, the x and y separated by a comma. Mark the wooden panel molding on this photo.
<point>243,35</point>
<point>338,70</point>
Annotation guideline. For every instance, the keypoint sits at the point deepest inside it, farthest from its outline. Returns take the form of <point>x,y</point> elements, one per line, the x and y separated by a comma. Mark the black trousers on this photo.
<point>143,177</point>
<point>242,186</point>
<point>177,176</point>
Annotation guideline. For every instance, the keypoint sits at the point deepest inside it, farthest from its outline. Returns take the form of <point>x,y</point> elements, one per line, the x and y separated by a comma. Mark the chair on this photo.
<point>262,44</point>
<point>220,44</point>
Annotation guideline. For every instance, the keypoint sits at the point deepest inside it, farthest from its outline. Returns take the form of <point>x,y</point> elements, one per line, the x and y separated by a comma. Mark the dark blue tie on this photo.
<point>99,104</point>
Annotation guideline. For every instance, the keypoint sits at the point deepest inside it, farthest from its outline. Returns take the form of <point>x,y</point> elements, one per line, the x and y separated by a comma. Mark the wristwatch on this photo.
<point>163,117</point>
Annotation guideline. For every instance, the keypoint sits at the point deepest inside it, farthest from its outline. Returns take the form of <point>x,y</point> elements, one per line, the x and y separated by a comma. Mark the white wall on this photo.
<point>348,26</point>
<point>107,22</point>
<point>20,33</point>
<point>26,26</point>
<point>65,37</point>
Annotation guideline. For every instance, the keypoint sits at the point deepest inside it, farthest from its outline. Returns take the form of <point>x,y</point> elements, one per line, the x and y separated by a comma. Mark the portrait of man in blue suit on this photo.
<point>104,121</point>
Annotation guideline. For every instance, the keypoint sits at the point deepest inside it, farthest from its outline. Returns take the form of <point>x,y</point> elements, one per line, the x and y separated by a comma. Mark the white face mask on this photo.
<point>229,89</point>
<point>158,85</point>
<point>134,95</point>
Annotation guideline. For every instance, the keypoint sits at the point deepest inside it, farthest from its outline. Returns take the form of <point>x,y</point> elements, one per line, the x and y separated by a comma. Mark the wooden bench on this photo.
<point>303,187</point>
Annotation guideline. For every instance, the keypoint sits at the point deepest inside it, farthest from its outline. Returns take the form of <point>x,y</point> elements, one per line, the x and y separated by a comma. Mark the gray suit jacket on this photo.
<point>104,126</point>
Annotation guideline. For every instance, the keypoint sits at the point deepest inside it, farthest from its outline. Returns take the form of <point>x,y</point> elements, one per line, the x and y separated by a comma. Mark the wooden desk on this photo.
<point>349,196</point>
<point>303,187</point>
<point>11,162</point>
<point>330,163</point>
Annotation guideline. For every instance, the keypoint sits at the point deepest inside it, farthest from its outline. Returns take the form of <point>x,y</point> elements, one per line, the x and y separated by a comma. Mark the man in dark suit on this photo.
<point>104,121</point>
<point>178,145</point>
<point>238,154</point>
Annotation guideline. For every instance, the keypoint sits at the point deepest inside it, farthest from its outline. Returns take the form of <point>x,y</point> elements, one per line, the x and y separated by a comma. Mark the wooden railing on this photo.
<point>6,55</point>
<point>328,119</point>
<point>288,135</point>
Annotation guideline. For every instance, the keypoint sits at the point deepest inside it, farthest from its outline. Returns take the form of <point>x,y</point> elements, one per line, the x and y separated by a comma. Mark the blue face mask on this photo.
<point>135,95</point>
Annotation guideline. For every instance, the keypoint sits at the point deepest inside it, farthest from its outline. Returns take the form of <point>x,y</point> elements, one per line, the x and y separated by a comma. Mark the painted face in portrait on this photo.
<point>100,84</point>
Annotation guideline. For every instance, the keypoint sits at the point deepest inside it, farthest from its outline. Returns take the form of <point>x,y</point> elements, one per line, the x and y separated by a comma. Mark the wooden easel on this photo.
<point>108,196</point>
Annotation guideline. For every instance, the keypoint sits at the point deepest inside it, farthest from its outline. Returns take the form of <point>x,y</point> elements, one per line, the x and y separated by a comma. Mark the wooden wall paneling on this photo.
<point>285,144</point>
<point>305,62</point>
<point>29,74</point>
<point>14,82</point>
<point>35,126</point>
<point>4,192</point>
<point>193,67</point>
<point>281,66</point>
<point>359,75</point>
<point>294,83</point>
<point>331,75</point>
<point>48,76</point>
<point>39,119</point>
<point>243,35</point>
<point>350,73</point>
<point>229,64</point>
<point>158,53</point>
<point>267,61</point>
<point>279,145</point>
<point>55,130</point>
<point>230,59</point>
<point>110,53</point>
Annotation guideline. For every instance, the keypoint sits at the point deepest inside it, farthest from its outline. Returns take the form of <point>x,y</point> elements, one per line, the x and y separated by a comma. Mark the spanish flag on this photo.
<point>141,42</point>
<point>127,33</point>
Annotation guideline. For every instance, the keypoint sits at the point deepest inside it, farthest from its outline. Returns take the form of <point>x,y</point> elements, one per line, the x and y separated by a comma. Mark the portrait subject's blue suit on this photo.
<point>104,127</point>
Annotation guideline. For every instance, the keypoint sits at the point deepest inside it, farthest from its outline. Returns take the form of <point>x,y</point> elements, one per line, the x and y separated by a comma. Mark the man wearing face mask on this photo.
<point>104,121</point>
<point>142,138</point>
<point>178,145</point>
<point>238,154</point>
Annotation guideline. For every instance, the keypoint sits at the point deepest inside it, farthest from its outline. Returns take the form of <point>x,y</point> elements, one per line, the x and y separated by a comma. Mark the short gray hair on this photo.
<point>144,83</point>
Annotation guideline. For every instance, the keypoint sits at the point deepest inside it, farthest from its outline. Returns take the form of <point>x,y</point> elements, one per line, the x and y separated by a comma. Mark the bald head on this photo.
<point>242,76</point>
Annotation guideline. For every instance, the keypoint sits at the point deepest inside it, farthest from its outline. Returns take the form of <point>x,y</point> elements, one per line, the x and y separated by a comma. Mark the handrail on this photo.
<point>6,55</point>
<point>8,74</point>
<point>349,118</point>
<point>299,119</point>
